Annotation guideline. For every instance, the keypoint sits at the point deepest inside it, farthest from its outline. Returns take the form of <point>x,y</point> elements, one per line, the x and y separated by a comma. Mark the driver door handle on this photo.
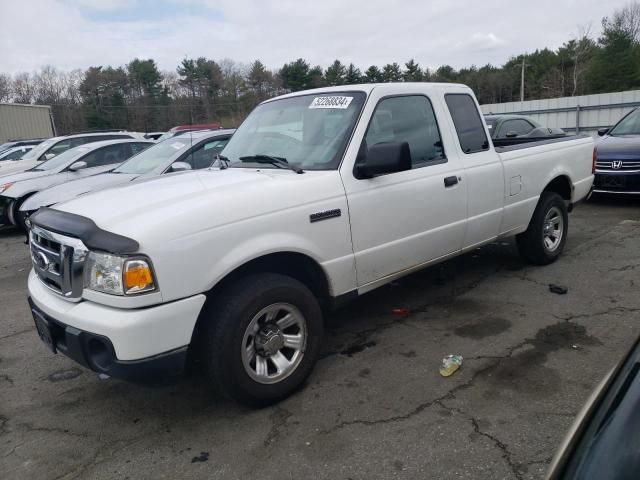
<point>450,181</point>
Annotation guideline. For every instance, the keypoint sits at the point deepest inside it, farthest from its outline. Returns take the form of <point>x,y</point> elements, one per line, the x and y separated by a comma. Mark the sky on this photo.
<point>71,34</point>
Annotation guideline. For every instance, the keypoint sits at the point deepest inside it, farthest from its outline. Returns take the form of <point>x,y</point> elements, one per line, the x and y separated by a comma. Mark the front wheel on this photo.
<point>260,338</point>
<point>544,240</point>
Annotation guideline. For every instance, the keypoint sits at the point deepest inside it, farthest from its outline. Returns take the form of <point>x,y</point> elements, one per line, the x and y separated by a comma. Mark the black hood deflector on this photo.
<point>83,228</point>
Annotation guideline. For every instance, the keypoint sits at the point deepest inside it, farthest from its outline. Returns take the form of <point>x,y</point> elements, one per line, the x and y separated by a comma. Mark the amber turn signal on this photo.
<point>138,277</point>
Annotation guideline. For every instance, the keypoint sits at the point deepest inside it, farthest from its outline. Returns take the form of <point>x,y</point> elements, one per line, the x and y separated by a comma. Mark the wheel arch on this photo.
<point>293,264</point>
<point>561,185</point>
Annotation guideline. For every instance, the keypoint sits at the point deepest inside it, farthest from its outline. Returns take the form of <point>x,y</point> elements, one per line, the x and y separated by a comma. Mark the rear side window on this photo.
<point>407,119</point>
<point>469,125</point>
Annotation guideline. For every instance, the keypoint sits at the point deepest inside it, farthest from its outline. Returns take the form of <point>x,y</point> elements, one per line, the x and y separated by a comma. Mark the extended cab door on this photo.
<point>483,171</point>
<point>405,219</point>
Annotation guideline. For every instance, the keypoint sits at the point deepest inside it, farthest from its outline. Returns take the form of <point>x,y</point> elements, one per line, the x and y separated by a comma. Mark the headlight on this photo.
<point>5,186</point>
<point>118,275</point>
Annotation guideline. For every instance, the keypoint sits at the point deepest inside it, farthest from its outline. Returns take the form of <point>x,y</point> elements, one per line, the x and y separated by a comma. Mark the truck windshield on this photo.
<point>309,131</point>
<point>629,125</point>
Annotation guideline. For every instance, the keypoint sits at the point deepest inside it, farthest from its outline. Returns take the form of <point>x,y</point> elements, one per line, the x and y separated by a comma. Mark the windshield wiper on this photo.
<point>278,161</point>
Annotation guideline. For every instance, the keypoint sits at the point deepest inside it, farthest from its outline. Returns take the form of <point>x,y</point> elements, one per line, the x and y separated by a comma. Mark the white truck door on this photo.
<point>405,219</point>
<point>483,170</point>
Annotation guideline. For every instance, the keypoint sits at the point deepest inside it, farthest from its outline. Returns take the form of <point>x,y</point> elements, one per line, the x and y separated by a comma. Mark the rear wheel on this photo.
<point>544,240</point>
<point>260,338</point>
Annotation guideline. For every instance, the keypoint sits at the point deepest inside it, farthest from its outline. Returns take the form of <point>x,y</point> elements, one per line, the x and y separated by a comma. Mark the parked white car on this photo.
<point>324,196</point>
<point>57,145</point>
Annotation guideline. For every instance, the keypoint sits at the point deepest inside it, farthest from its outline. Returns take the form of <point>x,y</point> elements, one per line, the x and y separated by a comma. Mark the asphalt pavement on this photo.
<point>375,406</point>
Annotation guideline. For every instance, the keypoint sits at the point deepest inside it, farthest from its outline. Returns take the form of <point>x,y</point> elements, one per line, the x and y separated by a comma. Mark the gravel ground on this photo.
<point>375,406</point>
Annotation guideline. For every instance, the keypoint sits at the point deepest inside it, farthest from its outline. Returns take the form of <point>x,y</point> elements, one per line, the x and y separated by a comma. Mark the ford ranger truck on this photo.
<point>319,197</point>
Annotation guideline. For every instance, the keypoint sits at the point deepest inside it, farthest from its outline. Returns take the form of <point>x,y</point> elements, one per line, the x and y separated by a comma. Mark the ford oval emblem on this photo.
<point>40,260</point>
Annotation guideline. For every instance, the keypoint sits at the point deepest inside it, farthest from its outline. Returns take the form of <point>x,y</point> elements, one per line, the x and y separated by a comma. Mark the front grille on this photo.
<point>618,165</point>
<point>58,262</point>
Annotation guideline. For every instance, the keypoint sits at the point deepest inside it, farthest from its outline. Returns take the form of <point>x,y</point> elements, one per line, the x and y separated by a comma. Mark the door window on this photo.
<point>469,126</point>
<point>408,119</point>
<point>107,155</point>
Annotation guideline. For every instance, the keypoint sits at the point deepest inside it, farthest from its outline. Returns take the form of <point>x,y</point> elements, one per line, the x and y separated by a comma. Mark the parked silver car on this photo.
<point>189,151</point>
<point>78,162</point>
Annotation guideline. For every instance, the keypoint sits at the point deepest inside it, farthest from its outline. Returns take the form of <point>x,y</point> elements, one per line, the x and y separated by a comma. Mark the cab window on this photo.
<point>408,119</point>
<point>469,126</point>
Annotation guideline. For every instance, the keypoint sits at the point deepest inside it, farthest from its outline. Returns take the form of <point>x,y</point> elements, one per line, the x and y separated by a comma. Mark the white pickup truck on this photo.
<point>321,196</point>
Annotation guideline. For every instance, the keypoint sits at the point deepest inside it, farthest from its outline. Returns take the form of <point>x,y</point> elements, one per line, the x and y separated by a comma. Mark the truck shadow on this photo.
<point>349,330</point>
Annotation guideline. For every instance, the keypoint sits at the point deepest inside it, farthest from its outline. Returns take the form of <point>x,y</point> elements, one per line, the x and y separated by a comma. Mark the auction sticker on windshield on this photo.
<point>177,145</point>
<point>331,102</point>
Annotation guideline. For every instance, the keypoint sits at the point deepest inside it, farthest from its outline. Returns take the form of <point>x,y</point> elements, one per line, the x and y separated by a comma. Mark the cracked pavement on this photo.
<point>375,406</point>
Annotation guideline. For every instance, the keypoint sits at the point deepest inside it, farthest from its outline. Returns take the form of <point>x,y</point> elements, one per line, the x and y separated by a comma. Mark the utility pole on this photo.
<point>522,82</point>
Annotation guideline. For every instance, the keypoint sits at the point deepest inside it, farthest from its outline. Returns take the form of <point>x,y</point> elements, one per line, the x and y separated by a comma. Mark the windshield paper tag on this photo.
<point>177,145</point>
<point>331,102</point>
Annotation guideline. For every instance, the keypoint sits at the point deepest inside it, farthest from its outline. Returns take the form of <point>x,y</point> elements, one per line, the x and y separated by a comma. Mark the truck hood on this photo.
<point>75,188</point>
<point>619,148</point>
<point>178,205</point>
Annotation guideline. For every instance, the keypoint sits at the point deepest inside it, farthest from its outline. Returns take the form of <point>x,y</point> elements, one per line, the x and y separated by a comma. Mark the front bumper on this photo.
<point>96,352</point>
<point>123,343</point>
<point>617,182</point>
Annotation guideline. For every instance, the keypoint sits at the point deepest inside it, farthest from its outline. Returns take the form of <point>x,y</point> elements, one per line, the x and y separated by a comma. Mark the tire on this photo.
<point>543,241</point>
<point>225,340</point>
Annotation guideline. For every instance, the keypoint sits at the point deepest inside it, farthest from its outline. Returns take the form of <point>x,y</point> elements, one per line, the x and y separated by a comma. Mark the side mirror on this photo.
<point>179,167</point>
<point>603,131</point>
<point>381,158</point>
<point>78,166</point>
<point>49,156</point>
<point>511,134</point>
